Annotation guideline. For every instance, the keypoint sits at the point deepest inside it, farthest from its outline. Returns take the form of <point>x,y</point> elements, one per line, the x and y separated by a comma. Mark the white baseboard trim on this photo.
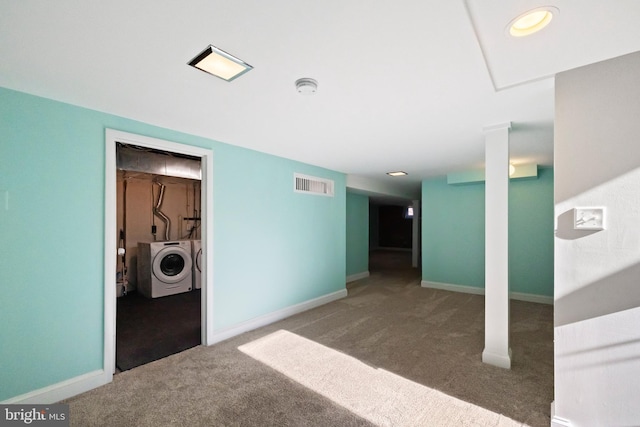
<point>357,276</point>
<point>83,383</point>
<point>267,319</point>
<point>557,421</point>
<point>540,299</point>
<point>62,390</point>
<point>453,288</point>
<point>560,422</point>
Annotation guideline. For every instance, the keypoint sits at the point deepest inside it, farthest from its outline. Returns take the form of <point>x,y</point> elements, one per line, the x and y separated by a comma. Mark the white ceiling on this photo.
<point>404,85</point>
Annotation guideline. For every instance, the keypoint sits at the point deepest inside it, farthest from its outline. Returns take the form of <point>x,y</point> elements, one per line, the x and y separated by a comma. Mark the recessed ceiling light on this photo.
<point>397,173</point>
<point>219,63</point>
<point>532,21</point>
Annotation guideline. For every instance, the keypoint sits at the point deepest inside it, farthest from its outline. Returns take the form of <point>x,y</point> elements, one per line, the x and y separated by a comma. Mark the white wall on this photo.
<point>597,273</point>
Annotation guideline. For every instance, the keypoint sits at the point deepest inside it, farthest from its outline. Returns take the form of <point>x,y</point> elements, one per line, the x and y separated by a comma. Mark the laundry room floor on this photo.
<point>151,329</point>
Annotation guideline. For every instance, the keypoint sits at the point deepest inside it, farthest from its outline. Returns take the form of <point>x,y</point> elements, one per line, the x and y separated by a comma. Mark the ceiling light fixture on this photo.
<point>306,86</point>
<point>397,173</point>
<point>512,169</point>
<point>532,21</point>
<point>219,63</point>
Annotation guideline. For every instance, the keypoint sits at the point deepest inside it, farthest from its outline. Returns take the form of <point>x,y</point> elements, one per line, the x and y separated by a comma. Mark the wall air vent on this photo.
<point>312,185</point>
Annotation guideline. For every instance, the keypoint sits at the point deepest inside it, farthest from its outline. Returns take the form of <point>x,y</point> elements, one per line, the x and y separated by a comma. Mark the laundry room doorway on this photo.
<point>153,257</point>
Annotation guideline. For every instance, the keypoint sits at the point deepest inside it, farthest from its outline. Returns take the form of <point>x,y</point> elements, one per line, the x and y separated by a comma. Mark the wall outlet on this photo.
<point>589,218</point>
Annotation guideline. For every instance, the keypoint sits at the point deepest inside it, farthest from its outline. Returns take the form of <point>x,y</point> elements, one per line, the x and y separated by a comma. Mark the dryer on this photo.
<point>164,268</point>
<point>196,254</point>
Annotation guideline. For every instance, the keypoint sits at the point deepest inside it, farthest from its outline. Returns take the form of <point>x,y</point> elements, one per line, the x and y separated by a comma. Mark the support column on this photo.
<point>496,319</point>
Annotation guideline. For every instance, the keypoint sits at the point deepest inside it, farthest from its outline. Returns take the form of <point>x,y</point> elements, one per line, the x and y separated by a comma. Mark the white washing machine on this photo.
<point>164,268</point>
<point>196,254</point>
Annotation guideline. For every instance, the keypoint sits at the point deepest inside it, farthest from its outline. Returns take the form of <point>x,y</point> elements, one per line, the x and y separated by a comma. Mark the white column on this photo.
<point>415,237</point>
<point>496,319</point>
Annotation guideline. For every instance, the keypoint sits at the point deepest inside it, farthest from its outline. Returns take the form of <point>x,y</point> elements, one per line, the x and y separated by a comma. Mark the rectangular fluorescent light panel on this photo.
<point>219,63</point>
<point>398,173</point>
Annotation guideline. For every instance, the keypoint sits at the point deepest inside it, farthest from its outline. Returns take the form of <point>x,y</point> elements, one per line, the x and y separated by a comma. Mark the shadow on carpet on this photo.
<point>151,329</point>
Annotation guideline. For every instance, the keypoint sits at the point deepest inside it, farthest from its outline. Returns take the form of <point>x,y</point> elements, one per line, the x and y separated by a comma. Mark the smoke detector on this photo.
<point>306,86</point>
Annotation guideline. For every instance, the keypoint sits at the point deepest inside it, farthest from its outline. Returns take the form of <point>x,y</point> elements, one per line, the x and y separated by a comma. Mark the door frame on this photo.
<point>112,137</point>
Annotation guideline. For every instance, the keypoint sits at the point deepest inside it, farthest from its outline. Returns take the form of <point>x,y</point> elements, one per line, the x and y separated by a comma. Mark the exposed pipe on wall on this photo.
<point>157,212</point>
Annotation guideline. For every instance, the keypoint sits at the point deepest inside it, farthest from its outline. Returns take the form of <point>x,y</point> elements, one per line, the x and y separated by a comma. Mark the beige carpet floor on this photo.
<point>390,354</point>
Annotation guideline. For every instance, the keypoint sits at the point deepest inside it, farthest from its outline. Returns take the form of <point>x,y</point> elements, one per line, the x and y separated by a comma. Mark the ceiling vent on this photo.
<point>312,185</point>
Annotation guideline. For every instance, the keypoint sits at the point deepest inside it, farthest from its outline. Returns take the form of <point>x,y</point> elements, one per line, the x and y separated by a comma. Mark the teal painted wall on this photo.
<point>453,233</point>
<point>357,233</point>
<point>272,247</point>
<point>531,234</point>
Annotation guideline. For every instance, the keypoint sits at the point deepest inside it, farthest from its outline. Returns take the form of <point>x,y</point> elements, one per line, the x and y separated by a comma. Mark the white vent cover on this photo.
<point>312,185</point>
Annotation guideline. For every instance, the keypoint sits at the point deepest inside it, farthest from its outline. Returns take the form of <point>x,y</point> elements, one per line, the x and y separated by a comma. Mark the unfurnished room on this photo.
<point>300,213</point>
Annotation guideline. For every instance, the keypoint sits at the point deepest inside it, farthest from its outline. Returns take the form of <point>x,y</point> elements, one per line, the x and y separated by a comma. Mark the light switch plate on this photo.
<point>592,218</point>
